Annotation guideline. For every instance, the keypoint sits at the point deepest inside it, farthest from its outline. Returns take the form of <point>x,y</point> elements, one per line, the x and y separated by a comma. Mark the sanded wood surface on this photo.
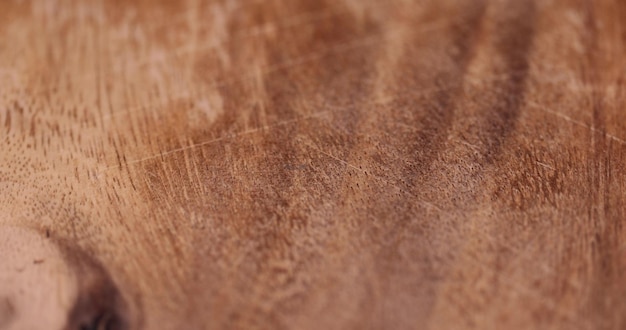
<point>312,164</point>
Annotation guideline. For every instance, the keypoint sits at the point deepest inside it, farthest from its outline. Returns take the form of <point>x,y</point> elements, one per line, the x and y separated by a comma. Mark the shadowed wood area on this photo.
<point>312,164</point>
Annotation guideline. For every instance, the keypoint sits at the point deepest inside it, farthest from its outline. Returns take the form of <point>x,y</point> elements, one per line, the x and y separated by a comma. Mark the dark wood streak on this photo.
<point>431,116</point>
<point>514,42</point>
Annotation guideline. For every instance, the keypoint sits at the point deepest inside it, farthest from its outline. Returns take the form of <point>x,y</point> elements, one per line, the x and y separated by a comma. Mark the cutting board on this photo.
<point>312,164</point>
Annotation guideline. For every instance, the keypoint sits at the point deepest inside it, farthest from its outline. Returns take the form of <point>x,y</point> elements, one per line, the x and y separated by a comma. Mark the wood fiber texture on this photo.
<point>321,164</point>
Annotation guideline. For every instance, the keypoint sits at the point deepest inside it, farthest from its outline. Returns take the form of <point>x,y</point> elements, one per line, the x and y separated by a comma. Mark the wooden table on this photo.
<point>312,164</point>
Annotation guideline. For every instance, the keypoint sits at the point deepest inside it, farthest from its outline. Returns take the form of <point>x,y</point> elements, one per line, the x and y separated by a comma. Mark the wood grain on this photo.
<point>313,164</point>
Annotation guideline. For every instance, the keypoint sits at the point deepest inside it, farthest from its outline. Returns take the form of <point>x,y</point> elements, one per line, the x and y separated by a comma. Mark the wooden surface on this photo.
<point>312,164</point>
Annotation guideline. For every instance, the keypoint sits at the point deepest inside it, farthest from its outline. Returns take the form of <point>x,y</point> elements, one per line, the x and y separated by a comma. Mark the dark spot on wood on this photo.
<point>102,322</point>
<point>7,312</point>
<point>99,304</point>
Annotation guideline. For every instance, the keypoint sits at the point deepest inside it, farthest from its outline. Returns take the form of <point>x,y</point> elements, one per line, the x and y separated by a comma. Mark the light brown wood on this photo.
<point>312,164</point>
